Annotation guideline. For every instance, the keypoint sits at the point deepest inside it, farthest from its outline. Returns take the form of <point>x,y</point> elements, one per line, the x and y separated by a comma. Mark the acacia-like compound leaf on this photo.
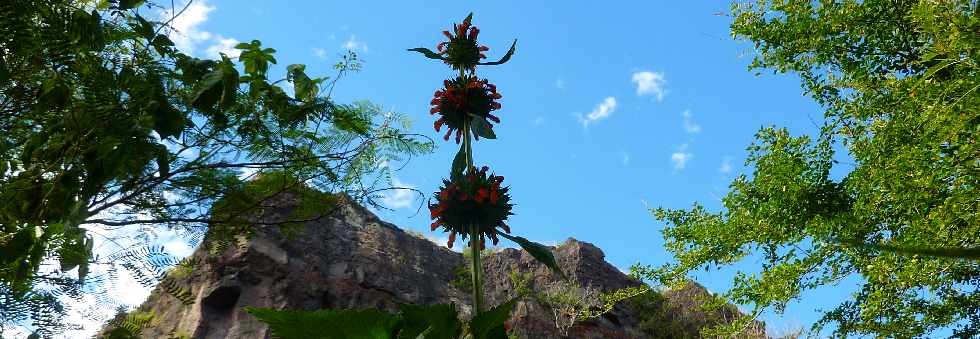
<point>459,164</point>
<point>490,324</point>
<point>540,252</point>
<point>328,324</point>
<point>482,128</point>
<point>428,53</point>
<point>506,57</point>
<point>433,321</point>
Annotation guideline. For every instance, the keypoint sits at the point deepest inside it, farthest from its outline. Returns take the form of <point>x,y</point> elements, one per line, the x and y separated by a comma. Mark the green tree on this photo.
<point>105,125</point>
<point>898,80</point>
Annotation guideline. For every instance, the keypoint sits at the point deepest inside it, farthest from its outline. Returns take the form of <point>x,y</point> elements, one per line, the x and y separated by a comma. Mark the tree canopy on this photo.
<point>896,207</point>
<point>106,125</point>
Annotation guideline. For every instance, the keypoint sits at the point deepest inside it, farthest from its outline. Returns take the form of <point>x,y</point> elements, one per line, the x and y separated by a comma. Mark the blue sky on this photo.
<point>608,108</point>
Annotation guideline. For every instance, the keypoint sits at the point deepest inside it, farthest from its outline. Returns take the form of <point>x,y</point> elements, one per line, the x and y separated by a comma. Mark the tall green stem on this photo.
<point>475,236</point>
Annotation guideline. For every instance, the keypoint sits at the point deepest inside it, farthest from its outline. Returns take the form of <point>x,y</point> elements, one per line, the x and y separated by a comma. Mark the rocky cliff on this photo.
<point>352,259</point>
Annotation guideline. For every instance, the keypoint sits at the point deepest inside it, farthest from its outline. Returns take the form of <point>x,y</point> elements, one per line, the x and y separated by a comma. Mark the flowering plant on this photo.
<point>472,205</point>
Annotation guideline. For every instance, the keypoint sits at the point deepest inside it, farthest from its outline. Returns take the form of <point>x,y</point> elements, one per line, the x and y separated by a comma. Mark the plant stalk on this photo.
<point>475,236</point>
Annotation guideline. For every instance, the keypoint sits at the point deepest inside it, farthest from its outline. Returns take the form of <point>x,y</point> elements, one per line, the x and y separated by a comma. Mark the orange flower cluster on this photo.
<point>476,199</point>
<point>462,50</point>
<point>466,95</point>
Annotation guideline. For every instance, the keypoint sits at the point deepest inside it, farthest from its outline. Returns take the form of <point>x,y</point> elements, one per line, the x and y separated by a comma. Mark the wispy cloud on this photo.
<point>689,125</point>
<point>650,83</point>
<point>225,46</point>
<point>319,52</point>
<point>400,196</point>
<point>681,157</point>
<point>354,45</point>
<point>726,165</point>
<point>601,111</point>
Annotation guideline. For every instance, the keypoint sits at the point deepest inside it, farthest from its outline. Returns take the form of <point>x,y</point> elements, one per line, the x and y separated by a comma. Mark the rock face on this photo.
<point>352,259</point>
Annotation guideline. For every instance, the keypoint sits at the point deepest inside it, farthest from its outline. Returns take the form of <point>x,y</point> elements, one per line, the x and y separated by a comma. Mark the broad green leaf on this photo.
<point>540,252</point>
<point>433,321</point>
<point>510,52</point>
<point>208,91</point>
<point>15,248</point>
<point>490,324</point>
<point>428,53</point>
<point>129,4</point>
<point>482,128</point>
<point>328,324</point>
<point>229,81</point>
<point>459,164</point>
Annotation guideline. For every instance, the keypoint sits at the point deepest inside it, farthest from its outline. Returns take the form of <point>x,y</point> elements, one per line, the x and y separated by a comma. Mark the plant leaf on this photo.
<point>459,164</point>
<point>433,321</point>
<point>490,324</point>
<point>947,252</point>
<point>428,53</point>
<point>482,128</point>
<point>129,4</point>
<point>328,324</point>
<point>540,252</point>
<point>506,57</point>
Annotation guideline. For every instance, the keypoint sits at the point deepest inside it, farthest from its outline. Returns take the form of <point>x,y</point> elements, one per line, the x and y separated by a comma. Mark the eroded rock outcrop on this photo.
<point>352,259</point>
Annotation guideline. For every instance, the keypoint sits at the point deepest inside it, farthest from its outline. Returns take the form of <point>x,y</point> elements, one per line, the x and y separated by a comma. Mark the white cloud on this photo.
<point>398,198</point>
<point>226,46</point>
<point>689,125</point>
<point>601,111</point>
<point>187,34</point>
<point>681,157</point>
<point>726,165</point>
<point>319,52</point>
<point>650,83</point>
<point>353,44</point>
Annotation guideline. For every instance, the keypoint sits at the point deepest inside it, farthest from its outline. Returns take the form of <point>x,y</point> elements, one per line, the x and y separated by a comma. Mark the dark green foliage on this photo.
<point>328,324</point>
<point>414,321</point>
<point>490,324</point>
<point>106,126</point>
<point>435,321</point>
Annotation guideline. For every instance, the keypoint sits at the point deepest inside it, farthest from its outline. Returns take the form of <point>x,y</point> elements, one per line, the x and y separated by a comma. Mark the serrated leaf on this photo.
<point>540,252</point>
<point>459,164</point>
<point>428,53</point>
<point>433,321</point>
<point>482,128</point>
<point>490,324</point>
<point>506,57</point>
<point>328,324</point>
